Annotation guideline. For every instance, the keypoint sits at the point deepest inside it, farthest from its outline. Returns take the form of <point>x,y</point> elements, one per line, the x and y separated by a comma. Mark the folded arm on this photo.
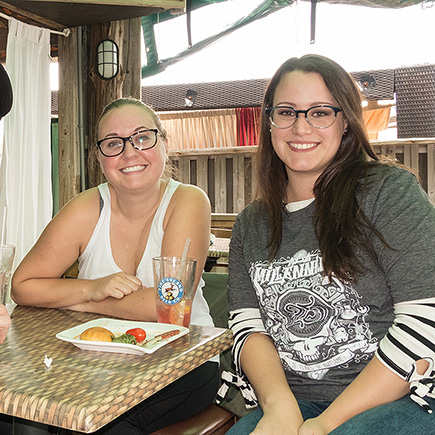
<point>404,355</point>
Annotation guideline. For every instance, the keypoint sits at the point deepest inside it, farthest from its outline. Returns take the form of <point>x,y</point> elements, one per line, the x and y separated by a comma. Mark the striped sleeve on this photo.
<point>409,339</point>
<point>243,322</point>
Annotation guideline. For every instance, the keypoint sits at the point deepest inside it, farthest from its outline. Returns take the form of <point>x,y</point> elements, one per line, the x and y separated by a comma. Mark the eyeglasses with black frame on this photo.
<point>321,116</point>
<point>141,140</point>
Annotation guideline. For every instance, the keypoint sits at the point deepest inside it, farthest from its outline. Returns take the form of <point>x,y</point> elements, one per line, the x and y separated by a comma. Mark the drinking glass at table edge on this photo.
<point>6,99</point>
<point>114,230</point>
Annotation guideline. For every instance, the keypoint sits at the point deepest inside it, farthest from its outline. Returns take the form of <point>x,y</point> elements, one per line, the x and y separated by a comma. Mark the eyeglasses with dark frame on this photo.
<point>321,116</point>
<point>141,140</point>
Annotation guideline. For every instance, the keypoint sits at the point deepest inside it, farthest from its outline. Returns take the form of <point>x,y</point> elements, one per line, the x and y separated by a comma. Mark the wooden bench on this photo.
<point>223,221</point>
<point>214,420</point>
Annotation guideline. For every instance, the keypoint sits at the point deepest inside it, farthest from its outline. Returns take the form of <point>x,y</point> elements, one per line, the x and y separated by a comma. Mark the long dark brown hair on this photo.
<point>340,224</point>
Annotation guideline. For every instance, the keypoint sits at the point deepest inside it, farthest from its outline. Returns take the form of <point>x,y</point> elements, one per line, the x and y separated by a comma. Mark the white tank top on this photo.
<point>97,259</point>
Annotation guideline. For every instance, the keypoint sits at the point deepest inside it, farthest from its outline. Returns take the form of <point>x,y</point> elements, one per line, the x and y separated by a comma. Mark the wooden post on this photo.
<point>132,58</point>
<point>69,161</point>
<point>100,91</point>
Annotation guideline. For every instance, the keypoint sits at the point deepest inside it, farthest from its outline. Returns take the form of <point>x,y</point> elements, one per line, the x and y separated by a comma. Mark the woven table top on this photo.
<point>219,248</point>
<point>84,390</point>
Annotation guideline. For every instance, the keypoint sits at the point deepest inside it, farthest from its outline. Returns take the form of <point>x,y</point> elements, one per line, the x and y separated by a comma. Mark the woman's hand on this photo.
<point>114,286</point>
<point>277,422</point>
<point>313,426</point>
<point>117,286</point>
<point>5,321</point>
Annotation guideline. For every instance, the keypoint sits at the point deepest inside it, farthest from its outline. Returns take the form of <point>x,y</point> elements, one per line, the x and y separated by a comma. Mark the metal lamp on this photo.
<point>107,59</point>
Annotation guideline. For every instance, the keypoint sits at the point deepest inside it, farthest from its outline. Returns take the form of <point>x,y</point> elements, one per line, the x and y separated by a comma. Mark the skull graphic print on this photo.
<point>316,323</point>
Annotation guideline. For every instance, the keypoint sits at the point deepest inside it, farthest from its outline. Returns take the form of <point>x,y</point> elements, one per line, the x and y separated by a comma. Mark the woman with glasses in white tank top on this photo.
<point>114,230</point>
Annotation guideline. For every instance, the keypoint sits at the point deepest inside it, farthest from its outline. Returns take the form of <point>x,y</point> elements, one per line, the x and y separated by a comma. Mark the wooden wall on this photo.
<point>82,98</point>
<point>228,175</point>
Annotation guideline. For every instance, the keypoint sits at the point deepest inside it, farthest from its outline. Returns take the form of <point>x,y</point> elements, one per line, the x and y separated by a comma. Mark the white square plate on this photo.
<point>119,327</point>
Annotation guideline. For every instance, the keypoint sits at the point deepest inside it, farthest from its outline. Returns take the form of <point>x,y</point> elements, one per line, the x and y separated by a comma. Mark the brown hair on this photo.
<point>121,102</point>
<point>340,224</point>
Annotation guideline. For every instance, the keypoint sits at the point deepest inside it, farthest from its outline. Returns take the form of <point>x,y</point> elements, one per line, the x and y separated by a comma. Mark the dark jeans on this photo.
<point>402,417</point>
<point>182,399</point>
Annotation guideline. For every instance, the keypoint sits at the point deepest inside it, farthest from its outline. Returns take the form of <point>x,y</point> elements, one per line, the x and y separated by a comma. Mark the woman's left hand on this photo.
<point>313,426</point>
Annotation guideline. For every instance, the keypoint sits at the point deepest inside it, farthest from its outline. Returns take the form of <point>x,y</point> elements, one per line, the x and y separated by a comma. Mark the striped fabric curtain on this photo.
<point>200,128</point>
<point>248,121</point>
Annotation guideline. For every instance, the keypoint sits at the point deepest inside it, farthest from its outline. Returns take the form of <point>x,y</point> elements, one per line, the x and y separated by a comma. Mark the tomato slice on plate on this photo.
<point>138,333</point>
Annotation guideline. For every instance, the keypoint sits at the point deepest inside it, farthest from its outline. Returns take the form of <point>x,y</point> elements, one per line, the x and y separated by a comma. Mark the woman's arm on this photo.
<point>36,281</point>
<point>188,215</point>
<point>254,352</point>
<point>374,386</point>
<point>261,364</point>
<point>5,322</point>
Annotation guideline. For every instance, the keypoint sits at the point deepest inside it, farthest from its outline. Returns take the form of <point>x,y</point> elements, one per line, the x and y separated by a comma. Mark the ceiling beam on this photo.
<point>166,4</point>
<point>36,18</point>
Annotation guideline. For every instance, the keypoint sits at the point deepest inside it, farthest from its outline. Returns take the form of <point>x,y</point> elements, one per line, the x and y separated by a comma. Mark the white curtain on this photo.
<point>26,162</point>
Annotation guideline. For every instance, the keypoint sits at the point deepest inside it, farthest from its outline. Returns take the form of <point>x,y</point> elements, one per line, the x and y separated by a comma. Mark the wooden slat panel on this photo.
<point>229,181</point>
<point>414,157</point>
<point>193,171</point>
<point>220,186</point>
<point>202,173</point>
<point>211,183</point>
<point>407,156</point>
<point>184,170</point>
<point>254,179</point>
<point>238,183</point>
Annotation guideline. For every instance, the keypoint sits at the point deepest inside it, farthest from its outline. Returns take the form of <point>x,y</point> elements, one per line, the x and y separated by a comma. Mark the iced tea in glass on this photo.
<point>174,283</point>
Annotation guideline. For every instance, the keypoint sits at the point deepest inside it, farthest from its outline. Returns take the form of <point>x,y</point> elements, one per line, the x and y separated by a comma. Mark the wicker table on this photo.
<point>84,390</point>
<point>219,248</point>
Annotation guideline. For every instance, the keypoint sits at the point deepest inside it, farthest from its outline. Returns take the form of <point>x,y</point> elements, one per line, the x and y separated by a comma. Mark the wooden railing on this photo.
<point>228,177</point>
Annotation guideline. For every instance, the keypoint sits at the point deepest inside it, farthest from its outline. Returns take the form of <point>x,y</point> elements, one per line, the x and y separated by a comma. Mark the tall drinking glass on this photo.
<point>174,283</point>
<point>7,254</point>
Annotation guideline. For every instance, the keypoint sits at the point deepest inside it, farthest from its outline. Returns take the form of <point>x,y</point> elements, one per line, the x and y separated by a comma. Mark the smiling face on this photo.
<point>132,169</point>
<point>305,150</point>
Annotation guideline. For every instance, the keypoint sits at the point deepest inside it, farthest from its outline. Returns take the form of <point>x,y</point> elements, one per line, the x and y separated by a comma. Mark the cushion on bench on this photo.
<point>214,420</point>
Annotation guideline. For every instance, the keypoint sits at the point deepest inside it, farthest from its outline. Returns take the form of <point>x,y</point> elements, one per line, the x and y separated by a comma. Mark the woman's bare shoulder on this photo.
<point>191,193</point>
<point>83,208</point>
<point>188,203</point>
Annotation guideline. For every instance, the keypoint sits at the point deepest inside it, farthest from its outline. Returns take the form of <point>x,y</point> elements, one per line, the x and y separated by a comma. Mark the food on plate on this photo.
<point>160,337</point>
<point>135,336</point>
<point>96,333</point>
<point>138,333</point>
<point>125,338</point>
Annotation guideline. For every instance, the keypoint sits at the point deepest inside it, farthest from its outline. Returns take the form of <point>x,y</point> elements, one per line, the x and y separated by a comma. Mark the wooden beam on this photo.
<point>36,18</point>
<point>131,62</point>
<point>166,4</point>
<point>69,153</point>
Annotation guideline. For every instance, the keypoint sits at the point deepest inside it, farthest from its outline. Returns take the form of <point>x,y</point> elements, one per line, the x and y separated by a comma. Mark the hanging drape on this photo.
<point>248,121</point>
<point>26,163</point>
<point>376,120</point>
<point>200,129</point>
